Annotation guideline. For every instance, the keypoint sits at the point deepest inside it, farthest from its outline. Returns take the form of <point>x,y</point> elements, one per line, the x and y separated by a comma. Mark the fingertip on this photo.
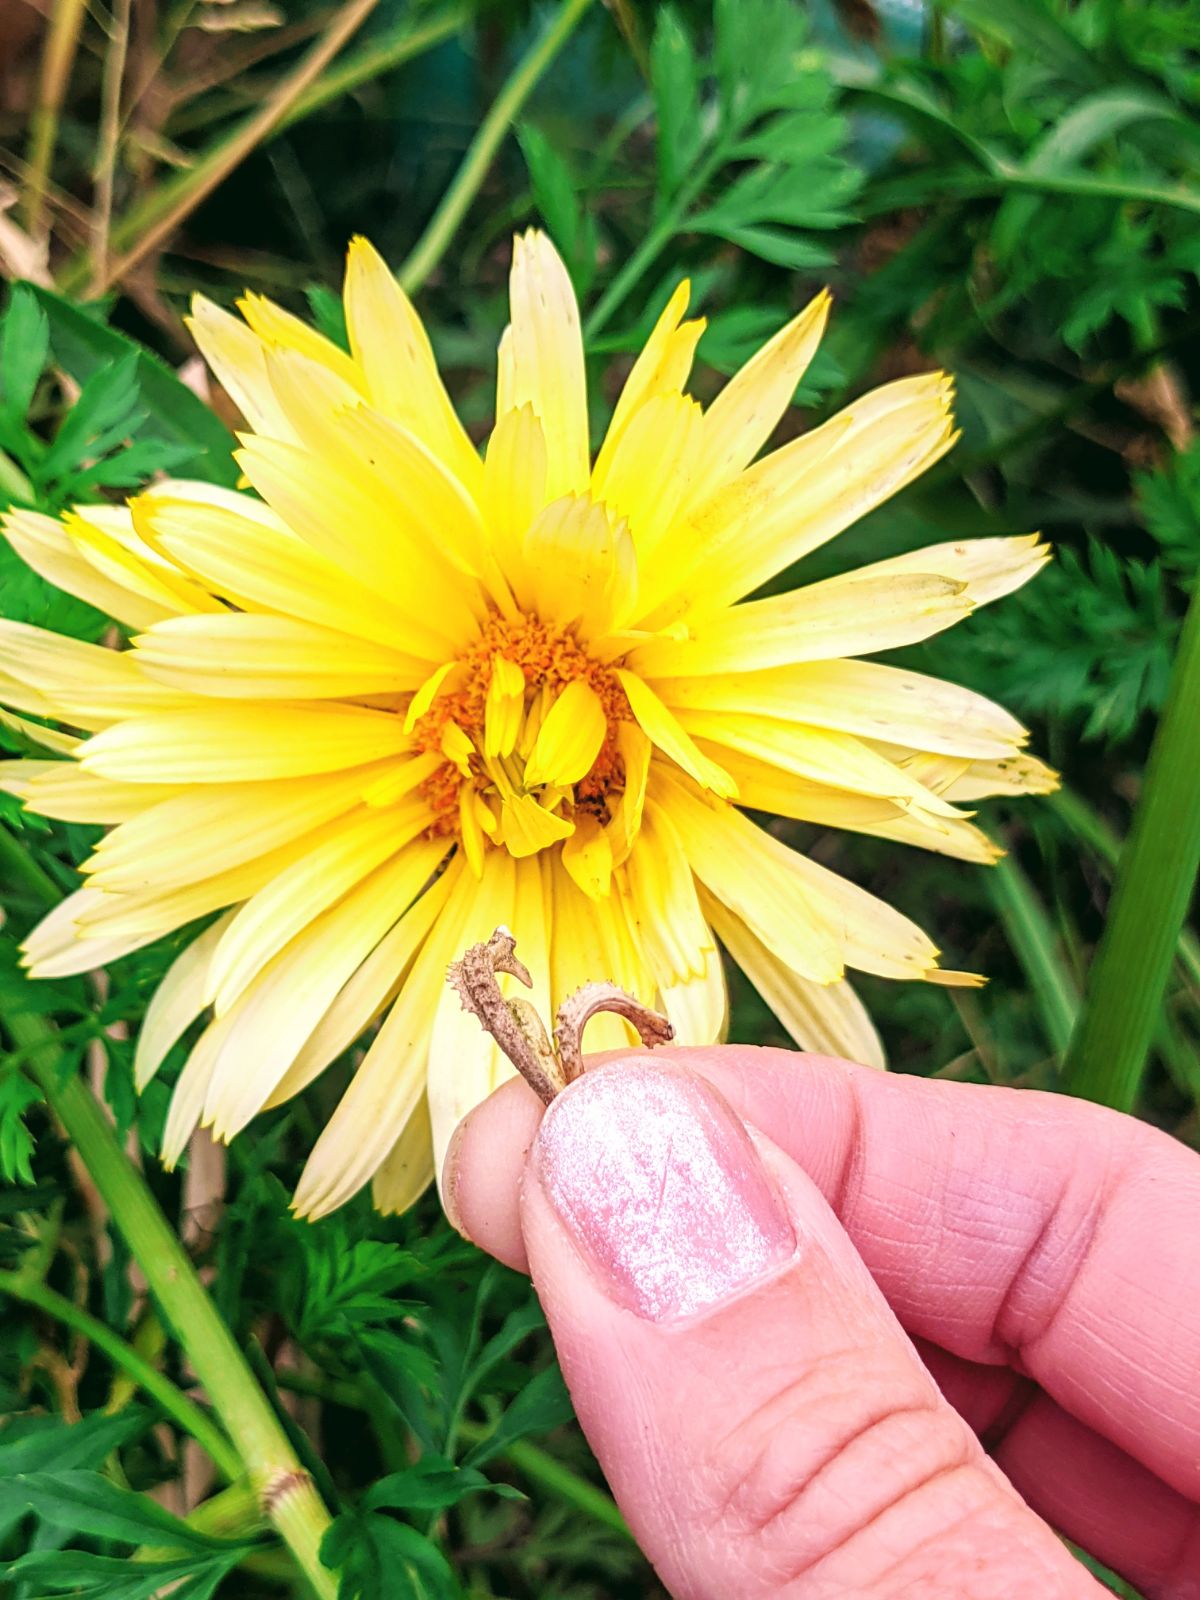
<point>481,1174</point>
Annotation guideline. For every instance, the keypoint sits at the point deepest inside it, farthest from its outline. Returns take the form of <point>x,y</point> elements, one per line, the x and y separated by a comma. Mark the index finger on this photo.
<point>1007,1226</point>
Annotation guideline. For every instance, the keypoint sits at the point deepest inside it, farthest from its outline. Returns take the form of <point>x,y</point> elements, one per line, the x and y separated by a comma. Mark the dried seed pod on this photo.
<point>520,1032</point>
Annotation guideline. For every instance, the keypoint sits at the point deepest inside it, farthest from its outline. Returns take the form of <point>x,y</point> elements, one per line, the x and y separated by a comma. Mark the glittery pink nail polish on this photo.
<point>661,1187</point>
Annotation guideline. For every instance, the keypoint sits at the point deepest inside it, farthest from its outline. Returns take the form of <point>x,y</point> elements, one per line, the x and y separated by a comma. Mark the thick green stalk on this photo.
<point>177,1405</point>
<point>285,1490</point>
<point>1036,946</point>
<point>468,180</point>
<point>1087,824</point>
<point>1155,878</point>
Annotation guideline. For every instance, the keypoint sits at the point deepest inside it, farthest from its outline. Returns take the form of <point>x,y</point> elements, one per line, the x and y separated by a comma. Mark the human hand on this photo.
<point>734,1248</point>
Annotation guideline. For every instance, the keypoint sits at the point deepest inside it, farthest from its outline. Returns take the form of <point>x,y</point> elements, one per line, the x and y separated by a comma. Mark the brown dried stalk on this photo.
<point>520,1032</point>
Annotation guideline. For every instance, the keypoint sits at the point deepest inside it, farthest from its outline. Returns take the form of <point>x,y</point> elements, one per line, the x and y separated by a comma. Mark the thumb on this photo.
<point>764,1423</point>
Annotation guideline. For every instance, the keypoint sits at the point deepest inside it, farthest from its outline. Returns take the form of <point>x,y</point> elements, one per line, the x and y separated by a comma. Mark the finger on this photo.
<point>1079,1481</point>
<point>1007,1226</point>
<point>763,1421</point>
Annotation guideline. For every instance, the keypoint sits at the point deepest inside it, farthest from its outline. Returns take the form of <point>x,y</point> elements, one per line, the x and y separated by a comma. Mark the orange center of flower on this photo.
<point>549,659</point>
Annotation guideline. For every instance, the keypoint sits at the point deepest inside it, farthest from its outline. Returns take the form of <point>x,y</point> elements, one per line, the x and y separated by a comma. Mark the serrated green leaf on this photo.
<point>97,1577</point>
<point>18,1094</point>
<point>91,1505</point>
<point>431,1484</point>
<point>82,346</point>
<point>24,346</point>
<point>541,1405</point>
<point>35,1445</point>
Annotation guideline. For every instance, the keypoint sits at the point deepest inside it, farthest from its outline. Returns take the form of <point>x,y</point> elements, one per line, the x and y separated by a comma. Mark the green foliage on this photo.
<point>1010,194</point>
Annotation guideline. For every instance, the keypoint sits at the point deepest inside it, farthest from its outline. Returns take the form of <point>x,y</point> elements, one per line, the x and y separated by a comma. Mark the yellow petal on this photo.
<point>408,1167</point>
<point>280,330</point>
<point>864,698</point>
<point>990,568</point>
<point>64,790</point>
<point>1016,774</point>
<point>240,655</point>
<point>662,367</point>
<point>368,992</point>
<point>527,827</point>
<point>63,744</point>
<point>663,904</point>
<point>859,614</point>
<point>582,566</point>
<point>663,729</point>
<point>176,1003</point>
<point>82,681</point>
<point>288,996</point>
<point>224,825</point>
<point>591,939</point>
<point>238,359</point>
<point>625,817</point>
<point>743,416</point>
<point>42,543</point>
<point>504,707</point>
<point>232,743</point>
<point>245,553</point>
<point>187,1102</point>
<point>300,893</point>
<point>803,494</point>
<point>391,1081</point>
<point>587,856</point>
<point>569,739</point>
<point>650,472</point>
<point>113,546</point>
<point>541,361</point>
<point>61,947</point>
<point>755,876</point>
<point>392,348</point>
<point>514,492</point>
<point>828,1018</point>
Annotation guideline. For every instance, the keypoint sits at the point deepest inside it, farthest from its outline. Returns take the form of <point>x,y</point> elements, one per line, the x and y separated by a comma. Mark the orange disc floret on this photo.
<point>547,657</point>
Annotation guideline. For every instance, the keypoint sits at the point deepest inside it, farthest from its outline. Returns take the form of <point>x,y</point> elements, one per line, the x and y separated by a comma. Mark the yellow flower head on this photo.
<point>404,694</point>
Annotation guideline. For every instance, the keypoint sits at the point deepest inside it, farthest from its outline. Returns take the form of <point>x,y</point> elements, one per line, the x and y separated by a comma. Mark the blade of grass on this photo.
<point>158,217</point>
<point>1155,877</point>
<point>467,181</point>
<point>1036,946</point>
<point>62,40</point>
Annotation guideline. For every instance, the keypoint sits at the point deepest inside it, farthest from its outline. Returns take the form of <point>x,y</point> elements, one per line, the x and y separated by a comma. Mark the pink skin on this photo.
<point>738,1362</point>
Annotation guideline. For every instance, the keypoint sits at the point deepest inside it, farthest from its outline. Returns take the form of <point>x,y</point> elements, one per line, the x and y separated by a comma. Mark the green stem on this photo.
<point>1153,889</point>
<point>62,40</point>
<point>1087,824</point>
<point>21,872</point>
<point>285,1490</point>
<point>190,1417</point>
<point>1035,943</point>
<point>468,180</point>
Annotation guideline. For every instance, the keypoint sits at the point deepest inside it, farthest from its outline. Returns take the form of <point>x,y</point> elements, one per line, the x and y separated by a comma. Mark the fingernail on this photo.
<point>662,1189</point>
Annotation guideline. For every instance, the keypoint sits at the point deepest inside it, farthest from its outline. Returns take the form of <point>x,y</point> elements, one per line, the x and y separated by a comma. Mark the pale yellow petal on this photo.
<point>243,656</point>
<point>42,543</point>
<point>541,361</point>
<point>828,1018</point>
<point>393,351</point>
<point>82,682</point>
<point>232,743</point>
<point>755,876</point>
<point>514,492</point>
<point>113,546</point>
<point>990,568</point>
<point>370,990</point>
<point>860,614</point>
<point>803,494</point>
<point>1013,775</point>
<point>223,825</point>
<point>280,330</point>
<point>662,903</point>
<point>592,939</point>
<point>288,996</point>
<point>408,1168</point>
<point>63,744</point>
<point>60,947</point>
<point>187,1102</point>
<point>863,698</point>
<point>662,728</point>
<point>582,566</point>
<point>650,472</point>
<point>176,1003</point>
<point>303,891</point>
<point>698,1007</point>
<point>662,368</point>
<point>237,357</point>
<point>744,415</point>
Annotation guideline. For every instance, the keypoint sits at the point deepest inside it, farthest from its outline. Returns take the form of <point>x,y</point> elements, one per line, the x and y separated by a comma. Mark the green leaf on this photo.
<point>102,416</point>
<point>376,1556</point>
<point>24,346</point>
<point>675,79</point>
<point>82,346</point>
<point>36,1445</point>
<point>91,1505</point>
<point>431,1484</point>
<point>96,1577</point>
<point>557,203</point>
<point>17,1095</point>
<point>541,1405</point>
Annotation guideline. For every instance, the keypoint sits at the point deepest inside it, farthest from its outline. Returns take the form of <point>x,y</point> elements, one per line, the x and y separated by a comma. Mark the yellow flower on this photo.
<point>411,693</point>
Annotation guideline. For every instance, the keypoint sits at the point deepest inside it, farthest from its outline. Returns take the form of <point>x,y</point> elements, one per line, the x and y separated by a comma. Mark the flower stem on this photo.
<point>1036,946</point>
<point>284,1489</point>
<point>468,180</point>
<point>1150,899</point>
<point>177,1405</point>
